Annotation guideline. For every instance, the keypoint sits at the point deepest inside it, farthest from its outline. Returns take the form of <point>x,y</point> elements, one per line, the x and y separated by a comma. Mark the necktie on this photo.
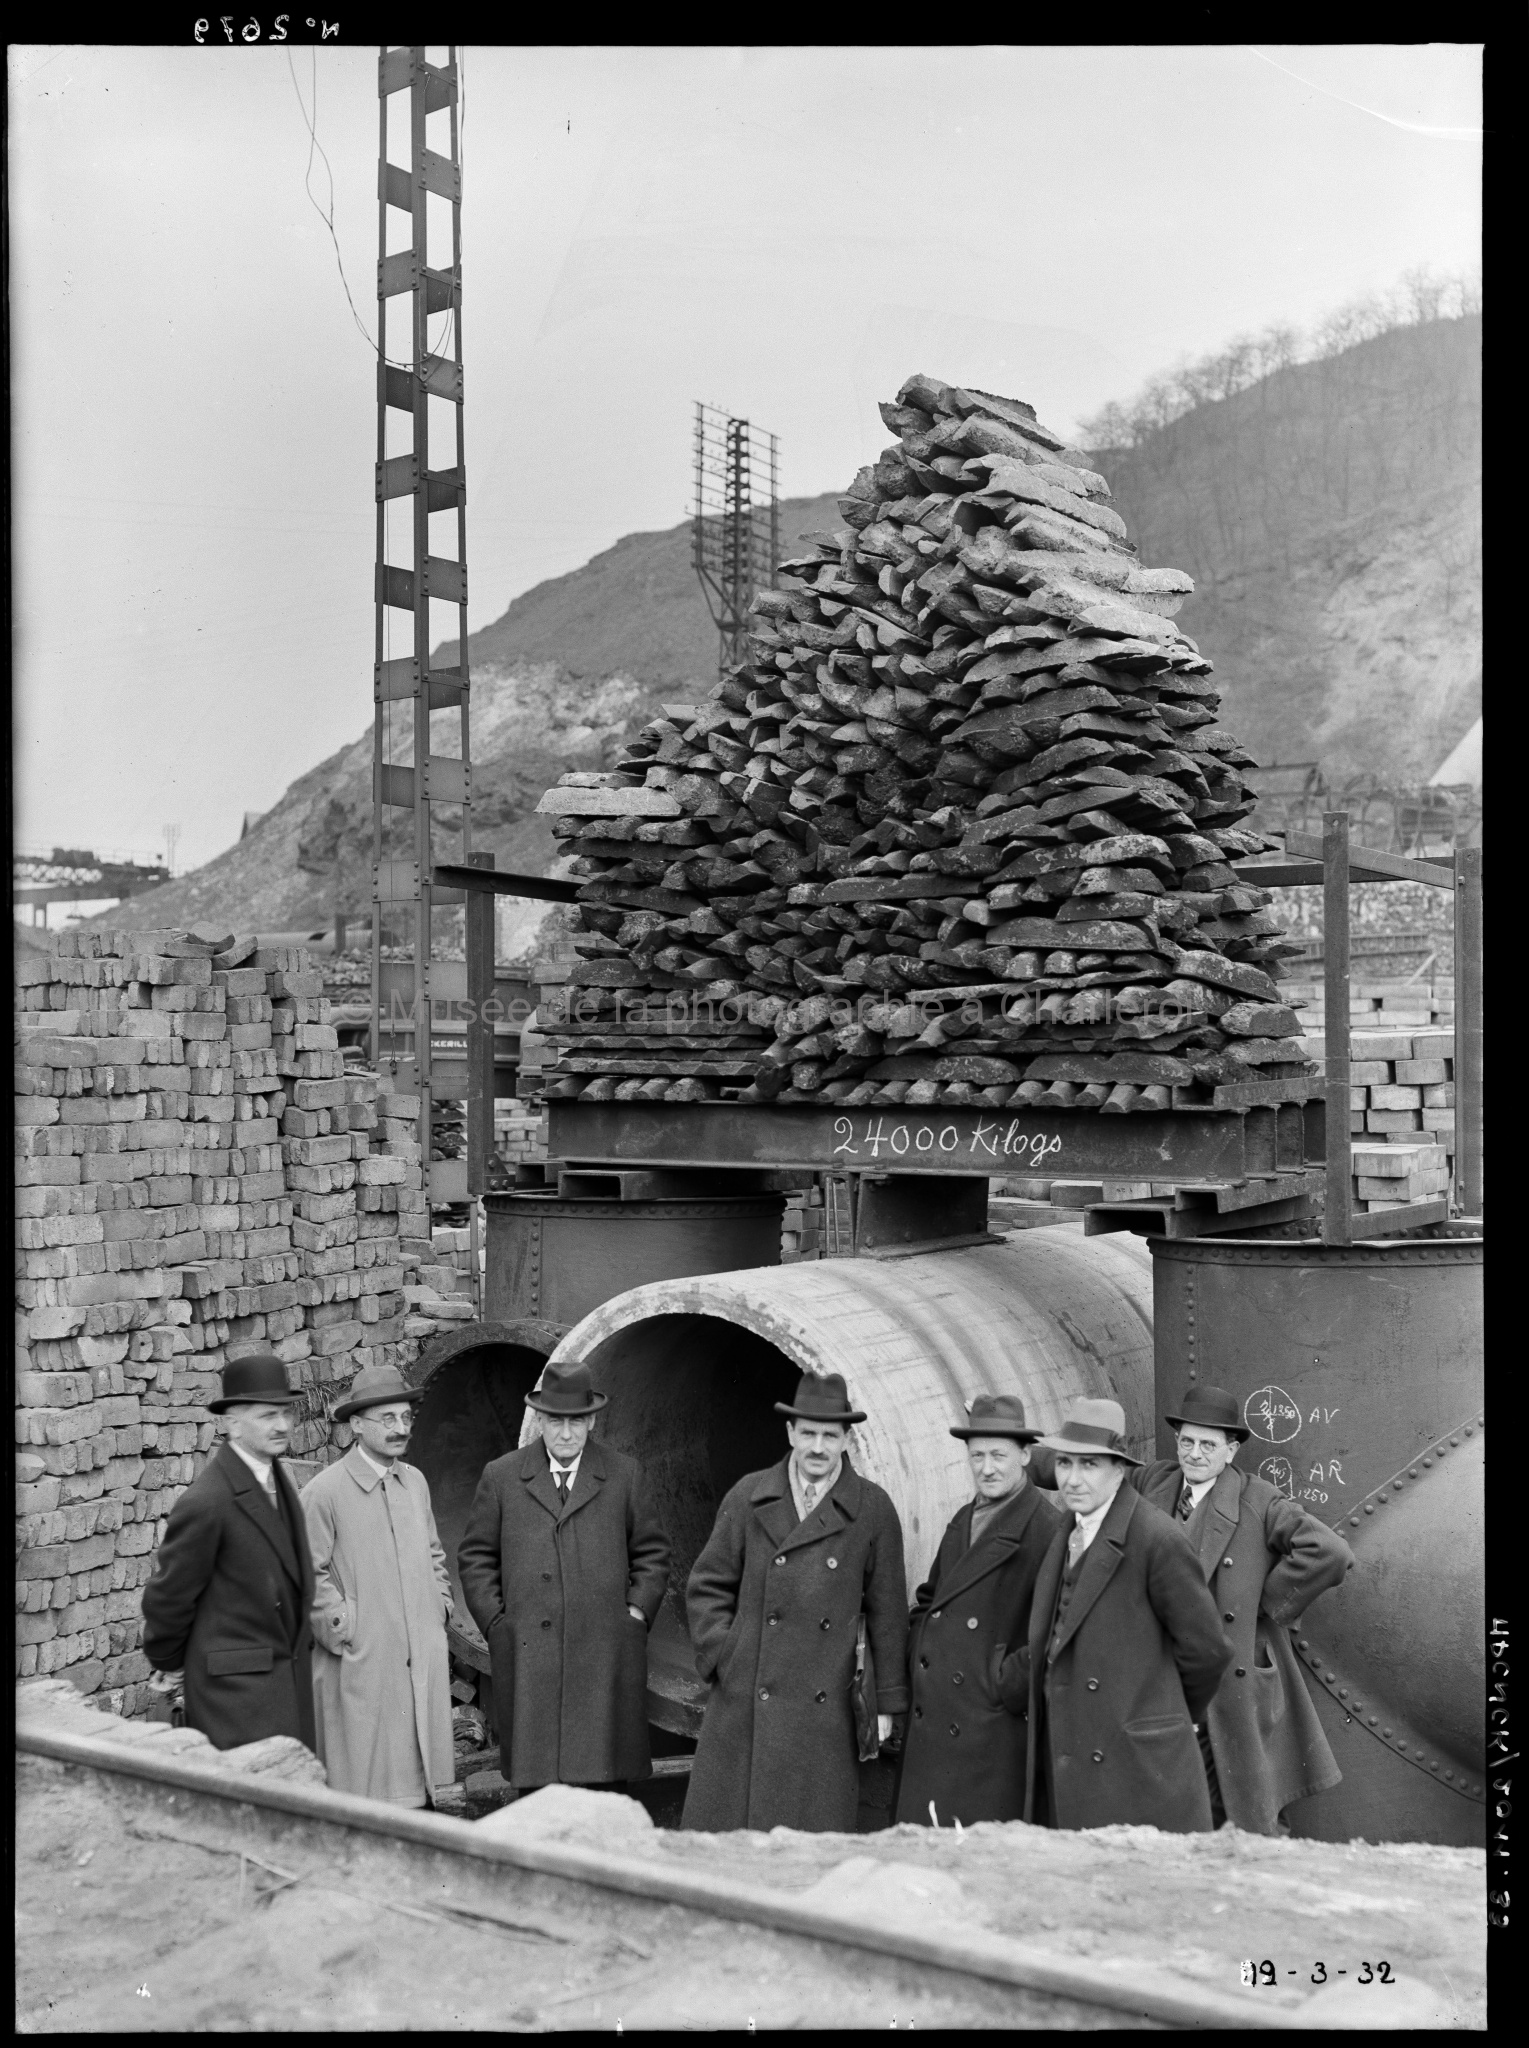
<point>562,1488</point>
<point>809,1498</point>
<point>1075,1544</point>
<point>1186,1503</point>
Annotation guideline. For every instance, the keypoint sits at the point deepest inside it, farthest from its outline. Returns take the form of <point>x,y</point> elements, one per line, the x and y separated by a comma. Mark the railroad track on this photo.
<point>278,1826</point>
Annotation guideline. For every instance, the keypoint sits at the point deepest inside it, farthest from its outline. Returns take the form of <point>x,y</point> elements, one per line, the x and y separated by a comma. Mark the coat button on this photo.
<point>546,1624</point>
<point>1098,1756</point>
<point>955,1727</point>
<point>1228,1617</point>
<point>955,1677</point>
<point>918,1713</point>
<point>1093,1685</point>
<point>825,1622</point>
<point>781,1559</point>
<point>923,1663</point>
<point>936,1614</point>
<point>833,1564</point>
<point>774,1620</point>
<point>1226,1563</point>
<point>1241,1671</point>
<point>820,1697</point>
<point>971,1621</point>
<point>763,1693</point>
<point>546,1575</point>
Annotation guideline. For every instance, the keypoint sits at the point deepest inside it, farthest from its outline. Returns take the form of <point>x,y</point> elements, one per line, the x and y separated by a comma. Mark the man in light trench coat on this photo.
<point>382,1595</point>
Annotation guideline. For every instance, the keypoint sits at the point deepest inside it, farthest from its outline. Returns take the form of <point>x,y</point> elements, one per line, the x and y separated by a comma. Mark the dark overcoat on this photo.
<point>1265,1560</point>
<point>228,1602</point>
<point>772,1605</point>
<point>1135,1663</point>
<point>965,1749</point>
<point>550,1586</point>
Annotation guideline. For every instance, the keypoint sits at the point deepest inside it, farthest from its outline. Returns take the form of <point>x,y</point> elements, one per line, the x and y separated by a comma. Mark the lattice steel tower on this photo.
<point>419,405</point>
<point>735,530</point>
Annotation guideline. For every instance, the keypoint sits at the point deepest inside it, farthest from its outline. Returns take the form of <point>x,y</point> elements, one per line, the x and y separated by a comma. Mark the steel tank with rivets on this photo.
<point>1359,1370</point>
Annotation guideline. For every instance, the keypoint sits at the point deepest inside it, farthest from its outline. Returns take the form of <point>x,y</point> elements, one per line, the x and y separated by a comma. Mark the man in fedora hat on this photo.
<point>964,1753</point>
<point>226,1607</point>
<point>1265,1559</point>
<point>798,1554</point>
<point>1125,1649</point>
<point>382,1684</point>
<point>564,1566</point>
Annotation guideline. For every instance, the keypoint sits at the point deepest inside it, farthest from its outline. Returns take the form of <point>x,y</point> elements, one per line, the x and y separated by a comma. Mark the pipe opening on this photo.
<point>472,1413</point>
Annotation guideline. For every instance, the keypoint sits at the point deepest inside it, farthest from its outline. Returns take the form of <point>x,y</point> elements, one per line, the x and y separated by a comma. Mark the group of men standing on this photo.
<point>1099,1639</point>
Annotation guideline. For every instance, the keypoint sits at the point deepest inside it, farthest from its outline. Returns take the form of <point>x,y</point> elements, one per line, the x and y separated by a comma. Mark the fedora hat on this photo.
<point>258,1378</point>
<point>565,1390</point>
<point>820,1397</point>
<point>1096,1427</point>
<point>997,1415</point>
<point>1213,1408</point>
<point>371,1388</point>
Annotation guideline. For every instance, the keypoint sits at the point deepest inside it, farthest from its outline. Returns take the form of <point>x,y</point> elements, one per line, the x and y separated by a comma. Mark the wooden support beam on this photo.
<point>1468,1031</point>
<point>479,914</point>
<point>1368,864</point>
<point>1335,948</point>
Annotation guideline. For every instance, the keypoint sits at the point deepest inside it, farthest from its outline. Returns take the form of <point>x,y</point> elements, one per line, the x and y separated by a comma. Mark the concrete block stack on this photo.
<point>960,831</point>
<point>439,1291</point>
<point>802,1226</point>
<point>196,1177</point>
<point>1401,1114</point>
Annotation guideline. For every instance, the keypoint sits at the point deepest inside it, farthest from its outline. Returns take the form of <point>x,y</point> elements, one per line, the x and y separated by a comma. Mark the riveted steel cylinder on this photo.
<point>1359,1371</point>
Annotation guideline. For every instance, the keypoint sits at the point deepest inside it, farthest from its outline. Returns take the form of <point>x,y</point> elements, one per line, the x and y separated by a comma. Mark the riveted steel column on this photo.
<point>1337,1220</point>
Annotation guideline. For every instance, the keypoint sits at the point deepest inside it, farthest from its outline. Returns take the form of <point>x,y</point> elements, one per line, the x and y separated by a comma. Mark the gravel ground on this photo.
<point>135,1914</point>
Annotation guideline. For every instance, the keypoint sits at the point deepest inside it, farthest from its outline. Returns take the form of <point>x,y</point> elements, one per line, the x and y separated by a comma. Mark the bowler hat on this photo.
<point>1096,1427</point>
<point>820,1397</point>
<point>257,1378</point>
<point>371,1388</point>
<point>997,1415</point>
<point>565,1390</point>
<point>1212,1408</point>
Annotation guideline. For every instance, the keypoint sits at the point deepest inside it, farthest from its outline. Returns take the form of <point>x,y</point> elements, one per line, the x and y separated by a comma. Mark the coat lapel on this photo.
<point>536,1472</point>
<point>994,1547</point>
<point>250,1497</point>
<point>1101,1560</point>
<point>587,1482</point>
<point>1048,1584</point>
<point>831,1513</point>
<point>1217,1519</point>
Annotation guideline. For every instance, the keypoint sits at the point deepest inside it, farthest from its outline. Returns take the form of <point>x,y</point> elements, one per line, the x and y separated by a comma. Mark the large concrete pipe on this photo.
<point>1359,1369</point>
<point>694,1366</point>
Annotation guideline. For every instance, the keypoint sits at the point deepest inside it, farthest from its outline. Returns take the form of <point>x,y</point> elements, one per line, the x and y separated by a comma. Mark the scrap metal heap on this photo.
<point>960,830</point>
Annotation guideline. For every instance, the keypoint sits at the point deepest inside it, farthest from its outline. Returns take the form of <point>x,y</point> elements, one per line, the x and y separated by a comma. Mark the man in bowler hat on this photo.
<point>1125,1649</point>
<point>382,1681</point>
<point>798,1554</point>
<point>964,1753</point>
<point>564,1566</point>
<point>1265,1560</point>
<point>226,1607</point>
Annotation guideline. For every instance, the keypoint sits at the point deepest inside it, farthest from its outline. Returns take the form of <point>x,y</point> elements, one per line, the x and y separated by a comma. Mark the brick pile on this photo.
<point>960,830</point>
<point>1401,1115</point>
<point>197,1177</point>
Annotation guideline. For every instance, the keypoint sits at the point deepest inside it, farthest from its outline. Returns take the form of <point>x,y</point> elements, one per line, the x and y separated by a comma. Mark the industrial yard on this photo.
<point>862,1012</point>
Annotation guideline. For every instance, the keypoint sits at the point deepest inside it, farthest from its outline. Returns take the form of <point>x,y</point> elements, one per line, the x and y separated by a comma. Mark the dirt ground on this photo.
<point>136,1914</point>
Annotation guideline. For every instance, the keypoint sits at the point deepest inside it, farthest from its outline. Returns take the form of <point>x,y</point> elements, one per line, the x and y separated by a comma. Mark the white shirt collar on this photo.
<point>821,1487</point>
<point>261,1467</point>
<point>380,1469</point>
<point>1089,1523</point>
<point>1198,1488</point>
<point>571,1469</point>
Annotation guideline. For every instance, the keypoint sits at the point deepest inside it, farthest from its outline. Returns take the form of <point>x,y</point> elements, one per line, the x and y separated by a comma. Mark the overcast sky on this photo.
<point>787,233</point>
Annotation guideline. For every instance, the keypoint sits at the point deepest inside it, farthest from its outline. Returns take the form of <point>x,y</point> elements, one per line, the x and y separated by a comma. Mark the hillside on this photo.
<point>558,682</point>
<point>1330,516</point>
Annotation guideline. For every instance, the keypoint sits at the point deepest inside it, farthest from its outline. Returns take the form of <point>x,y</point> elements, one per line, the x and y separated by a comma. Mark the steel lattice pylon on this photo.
<point>735,531</point>
<point>409,380</point>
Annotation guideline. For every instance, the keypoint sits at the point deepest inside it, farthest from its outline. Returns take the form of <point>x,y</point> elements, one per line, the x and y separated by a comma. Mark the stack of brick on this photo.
<point>520,1135</point>
<point>197,1177</point>
<point>440,1292</point>
<point>150,1198</point>
<point>1401,1114</point>
<point>802,1226</point>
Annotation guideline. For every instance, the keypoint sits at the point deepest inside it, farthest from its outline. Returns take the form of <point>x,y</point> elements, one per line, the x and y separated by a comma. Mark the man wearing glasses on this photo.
<point>1266,1560</point>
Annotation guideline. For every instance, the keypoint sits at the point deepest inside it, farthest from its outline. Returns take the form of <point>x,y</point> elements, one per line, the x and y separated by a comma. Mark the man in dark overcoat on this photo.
<point>1125,1652</point>
<point>964,1753</point>
<point>563,1567</point>
<point>1265,1560</point>
<point>225,1611</point>
<point>798,1554</point>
